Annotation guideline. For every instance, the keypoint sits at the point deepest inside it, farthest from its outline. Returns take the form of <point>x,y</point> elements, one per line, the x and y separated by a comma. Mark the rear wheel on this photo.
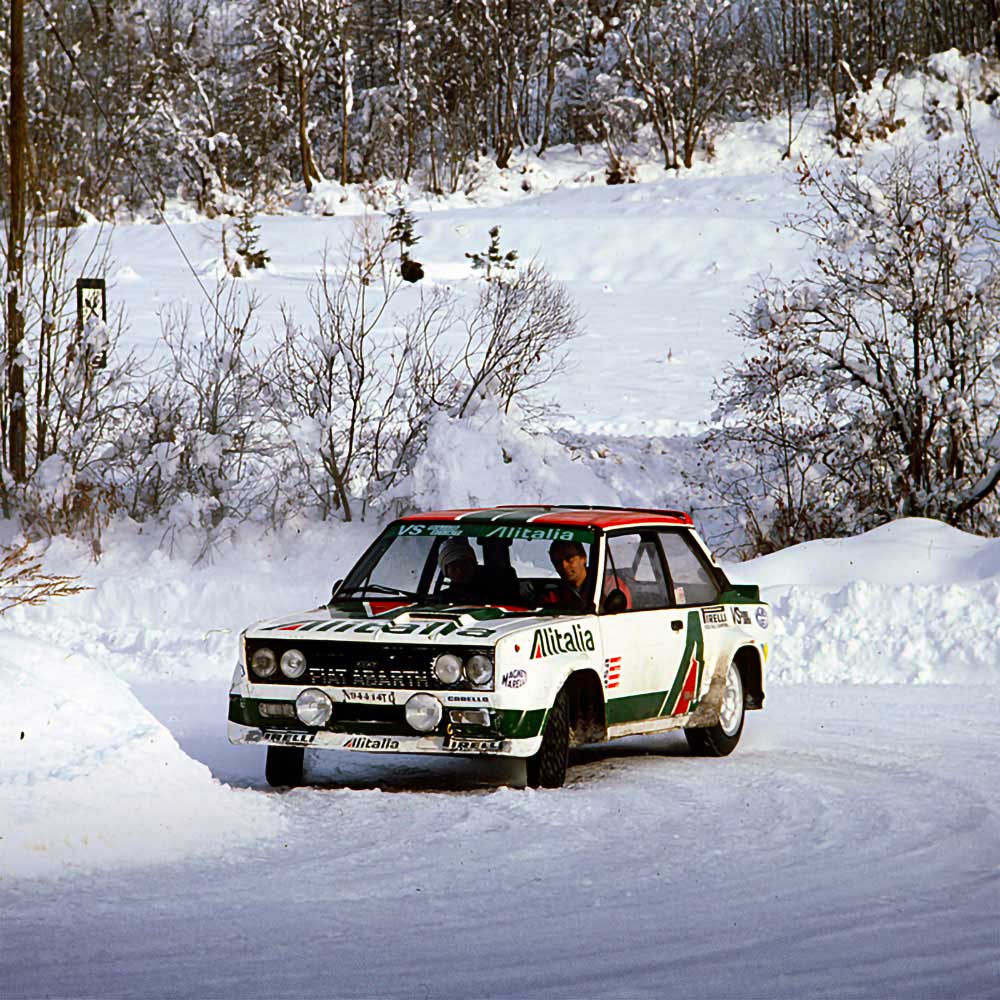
<point>721,739</point>
<point>284,767</point>
<point>547,767</point>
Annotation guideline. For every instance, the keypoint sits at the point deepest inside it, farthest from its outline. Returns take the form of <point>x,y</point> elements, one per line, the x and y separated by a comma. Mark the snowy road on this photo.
<point>850,848</point>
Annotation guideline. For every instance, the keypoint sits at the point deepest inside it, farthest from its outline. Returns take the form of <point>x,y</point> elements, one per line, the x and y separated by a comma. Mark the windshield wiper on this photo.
<point>376,588</point>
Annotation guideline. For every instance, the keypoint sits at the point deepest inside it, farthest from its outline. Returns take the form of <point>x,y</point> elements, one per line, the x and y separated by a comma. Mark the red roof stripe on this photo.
<point>572,516</point>
<point>606,518</point>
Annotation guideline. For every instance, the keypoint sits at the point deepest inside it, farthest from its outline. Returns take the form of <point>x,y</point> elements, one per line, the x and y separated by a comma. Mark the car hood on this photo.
<point>416,625</point>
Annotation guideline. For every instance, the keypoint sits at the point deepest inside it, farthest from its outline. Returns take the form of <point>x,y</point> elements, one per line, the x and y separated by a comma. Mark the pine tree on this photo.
<point>247,233</point>
<point>494,261</point>
<point>401,232</point>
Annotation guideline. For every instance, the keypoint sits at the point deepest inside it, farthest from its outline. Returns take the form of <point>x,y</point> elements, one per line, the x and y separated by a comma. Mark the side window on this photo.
<point>633,566</point>
<point>693,582</point>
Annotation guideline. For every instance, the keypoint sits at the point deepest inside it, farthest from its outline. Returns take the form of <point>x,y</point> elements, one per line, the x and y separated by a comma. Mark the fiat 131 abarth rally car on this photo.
<point>514,631</point>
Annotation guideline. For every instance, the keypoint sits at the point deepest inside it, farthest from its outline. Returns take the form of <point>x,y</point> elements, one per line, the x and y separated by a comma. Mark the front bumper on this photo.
<point>321,739</point>
<point>380,727</point>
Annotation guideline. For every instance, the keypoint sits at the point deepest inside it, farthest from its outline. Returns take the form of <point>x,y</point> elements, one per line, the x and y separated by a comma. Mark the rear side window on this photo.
<point>634,567</point>
<point>693,581</point>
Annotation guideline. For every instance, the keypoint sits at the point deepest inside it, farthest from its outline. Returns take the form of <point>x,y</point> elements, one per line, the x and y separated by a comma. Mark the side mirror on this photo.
<point>334,589</point>
<point>615,602</point>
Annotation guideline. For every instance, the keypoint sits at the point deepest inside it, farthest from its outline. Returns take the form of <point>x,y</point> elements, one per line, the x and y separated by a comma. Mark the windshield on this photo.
<point>516,566</point>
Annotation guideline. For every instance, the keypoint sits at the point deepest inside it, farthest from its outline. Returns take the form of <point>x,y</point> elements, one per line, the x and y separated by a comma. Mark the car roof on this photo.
<point>580,516</point>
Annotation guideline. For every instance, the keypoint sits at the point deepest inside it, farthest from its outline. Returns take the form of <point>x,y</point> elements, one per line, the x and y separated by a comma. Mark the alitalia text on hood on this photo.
<point>552,642</point>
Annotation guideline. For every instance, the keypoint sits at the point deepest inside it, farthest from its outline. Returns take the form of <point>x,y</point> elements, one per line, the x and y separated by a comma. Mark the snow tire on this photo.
<point>547,767</point>
<point>720,740</point>
<point>285,766</point>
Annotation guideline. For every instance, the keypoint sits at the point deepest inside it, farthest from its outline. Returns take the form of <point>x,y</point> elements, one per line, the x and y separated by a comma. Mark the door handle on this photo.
<point>677,625</point>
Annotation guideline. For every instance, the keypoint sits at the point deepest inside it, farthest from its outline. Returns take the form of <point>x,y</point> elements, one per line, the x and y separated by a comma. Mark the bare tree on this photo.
<point>329,384</point>
<point>515,338</point>
<point>217,451</point>
<point>872,389</point>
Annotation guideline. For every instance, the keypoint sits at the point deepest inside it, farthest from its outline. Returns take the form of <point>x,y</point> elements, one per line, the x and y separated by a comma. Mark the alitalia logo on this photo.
<point>369,627</point>
<point>551,642</point>
<point>368,743</point>
<point>534,534</point>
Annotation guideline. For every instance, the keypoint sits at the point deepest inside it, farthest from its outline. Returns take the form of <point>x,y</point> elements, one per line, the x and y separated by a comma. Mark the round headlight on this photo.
<point>423,712</point>
<point>313,707</point>
<point>293,663</point>
<point>264,662</point>
<point>447,668</point>
<point>479,669</point>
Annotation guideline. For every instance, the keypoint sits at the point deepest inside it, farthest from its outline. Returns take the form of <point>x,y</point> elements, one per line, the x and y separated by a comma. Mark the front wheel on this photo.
<point>547,767</point>
<point>721,739</point>
<point>285,766</point>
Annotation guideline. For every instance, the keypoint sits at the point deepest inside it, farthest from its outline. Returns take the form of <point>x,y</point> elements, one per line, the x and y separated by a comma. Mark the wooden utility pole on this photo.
<point>17,427</point>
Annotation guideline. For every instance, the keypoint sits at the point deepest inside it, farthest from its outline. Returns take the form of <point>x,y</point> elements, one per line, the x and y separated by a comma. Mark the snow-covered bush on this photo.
<point>327,425</point>
<point>80,396</point>
<point>205,464</point>
<point>487,456</point>
<point>350,395</point>
<point>871,387</point>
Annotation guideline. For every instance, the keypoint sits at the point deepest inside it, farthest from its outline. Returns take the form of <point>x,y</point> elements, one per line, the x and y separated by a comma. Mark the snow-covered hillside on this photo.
<point>847,849</point>
<point>657,268</point>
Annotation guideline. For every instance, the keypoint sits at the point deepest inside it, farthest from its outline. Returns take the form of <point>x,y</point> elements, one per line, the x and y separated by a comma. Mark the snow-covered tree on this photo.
<point>207,111</point>
<point>680,57</point>
<point>301,43</point>
<point>871,389</point>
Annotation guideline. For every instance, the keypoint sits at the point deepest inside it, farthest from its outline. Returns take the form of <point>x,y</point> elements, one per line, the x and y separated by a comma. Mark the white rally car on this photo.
<point>518,631</point>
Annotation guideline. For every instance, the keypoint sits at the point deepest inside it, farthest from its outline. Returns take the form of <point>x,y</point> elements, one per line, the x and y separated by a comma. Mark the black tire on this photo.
<point>720,740</point>
<point>285,766</point>
<point>547,767</point>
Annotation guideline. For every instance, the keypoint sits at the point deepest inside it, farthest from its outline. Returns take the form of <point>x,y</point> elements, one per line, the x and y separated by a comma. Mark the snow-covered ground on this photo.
<point>849,848</point>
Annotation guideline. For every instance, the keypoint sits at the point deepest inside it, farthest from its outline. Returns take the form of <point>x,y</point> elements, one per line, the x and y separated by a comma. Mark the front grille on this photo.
<point>366,665</point>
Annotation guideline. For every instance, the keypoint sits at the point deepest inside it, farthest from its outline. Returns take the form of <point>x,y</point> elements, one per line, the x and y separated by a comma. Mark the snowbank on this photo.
<point>89,779</point>
<point>914,601</point>
<point>155,613</point>
<point>487,457</point>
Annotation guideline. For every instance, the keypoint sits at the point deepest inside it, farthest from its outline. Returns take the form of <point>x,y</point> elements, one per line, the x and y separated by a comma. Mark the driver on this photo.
<point>570,561</point>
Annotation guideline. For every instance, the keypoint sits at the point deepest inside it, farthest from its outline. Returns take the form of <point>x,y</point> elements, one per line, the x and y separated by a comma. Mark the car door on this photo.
<point>695,592</point>
<point>644,643</point>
